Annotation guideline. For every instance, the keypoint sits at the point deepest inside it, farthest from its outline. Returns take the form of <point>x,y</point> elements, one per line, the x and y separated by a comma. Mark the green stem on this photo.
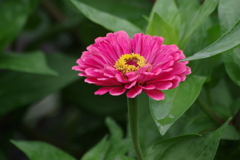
<point>133,114</point>
<point>208,111</point>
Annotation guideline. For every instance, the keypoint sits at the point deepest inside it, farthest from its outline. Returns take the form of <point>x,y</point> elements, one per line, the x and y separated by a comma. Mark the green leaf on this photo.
<point>121,158</point>
<point>108,148</point>
<point>118,146</point>
<point>199,123</point>
<point>115,130</point>
<point>187,147</point>
<point>191,21</point>
<point>221,95</point>
<point>98,152</point>
<point>230,133</point>
<point>229,14</point>
<point>124,9</point>
<point>39,150</point>
<point>199,39</point>
<point>19,89</point>
<point>168,11</point>
<point>13,16</point>
<point>231,60</point>
<point>228,41</point>
<point>176,102</point>
<point>157,27</point>
<point>106,20</point>
<point>33,62</point>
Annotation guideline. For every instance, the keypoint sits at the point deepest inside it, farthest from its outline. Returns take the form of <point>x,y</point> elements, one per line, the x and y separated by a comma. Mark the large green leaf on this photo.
<point>107,20</point>
<point>33,62</point>
<point>199,39</point>
<point>157,27</point>
<point>189,147</point>
<point>39,150</point>
<point>13,16</point>
<point>192,20</point>
<point>19,89</point>
<point>231,61</point>
<point>228,41</point>
<point>121,158</point>
<point>176,102</point>
<point>168,11</point>
<point>124,9</point>
<point>229,14</point>
<point>98,152</point>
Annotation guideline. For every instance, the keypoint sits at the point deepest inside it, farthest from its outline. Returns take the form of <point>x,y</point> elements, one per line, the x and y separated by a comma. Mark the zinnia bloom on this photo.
<point>121,64</point>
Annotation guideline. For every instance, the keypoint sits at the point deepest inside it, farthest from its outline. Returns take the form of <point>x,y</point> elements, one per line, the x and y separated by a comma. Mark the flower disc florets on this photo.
<point>130,63</point>
<point>122,64</point>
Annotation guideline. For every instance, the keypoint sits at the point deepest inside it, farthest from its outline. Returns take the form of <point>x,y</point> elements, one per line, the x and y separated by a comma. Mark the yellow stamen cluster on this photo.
<point>126,63</point>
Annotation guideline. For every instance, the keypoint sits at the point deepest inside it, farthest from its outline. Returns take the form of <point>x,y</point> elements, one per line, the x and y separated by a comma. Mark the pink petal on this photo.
<point>155,94</point>
<point>137,43</point>
<point>133,92</point>
<point>157,71</point>
<point>133,78</point>
<point>149,87</point>
<point>120,42</point>
<point>120,78</point>
<point>128,86</point>
<point>163,85</point>
<point>76,68</point>
<point>102,90</point>
<point>94,72</point>
<point>178,68</point>
<point>82,74</point>
<point>175,82</point>
<point>116,91</point>
<point>144,68</point>
<point>107,82</point>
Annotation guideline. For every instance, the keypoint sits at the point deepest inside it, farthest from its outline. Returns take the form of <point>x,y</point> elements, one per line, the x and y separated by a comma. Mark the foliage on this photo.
<point>48,112</point>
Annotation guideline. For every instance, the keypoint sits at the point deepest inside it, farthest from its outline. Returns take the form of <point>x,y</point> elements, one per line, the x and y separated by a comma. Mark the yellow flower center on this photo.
<point>130,63</point>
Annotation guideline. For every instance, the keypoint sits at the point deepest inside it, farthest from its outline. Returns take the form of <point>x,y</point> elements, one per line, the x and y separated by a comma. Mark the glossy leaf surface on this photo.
<point>187,147</point>
<point>176,102</point>
<point>229,14</point>
<point>228,41</point>
<point>192,20</point>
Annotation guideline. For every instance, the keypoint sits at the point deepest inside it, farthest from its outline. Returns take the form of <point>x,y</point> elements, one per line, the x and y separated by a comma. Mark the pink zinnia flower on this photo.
<point>122,64</point>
